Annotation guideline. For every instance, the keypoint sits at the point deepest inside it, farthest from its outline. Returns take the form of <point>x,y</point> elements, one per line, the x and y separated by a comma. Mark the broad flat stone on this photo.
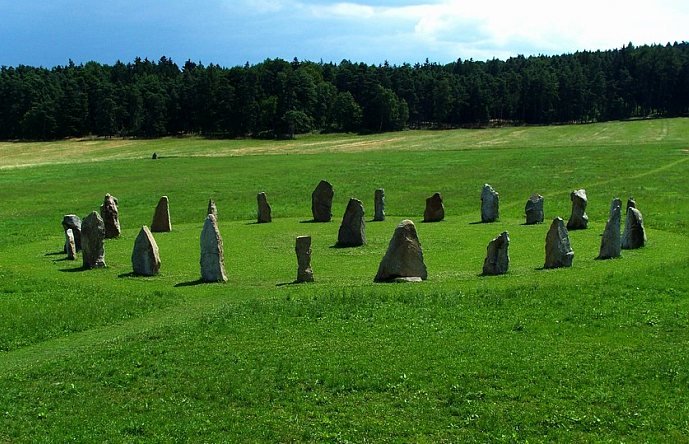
<point>634,235</point>
<point>212,254</point>
<point>578,220</point>
<point>322,202</point>
<point>435,210</point>
<point>490,200</point>
<point>497,259</point>
<point>379,205</point>
<point>404,256</point>
<point>534,210</point>
<point>264,212</point>
<point>352,231</point>
<point>610,245</point>
<point>110,215</point>
<point>161,217</point>
<point>558,252</point>
<point>302,248</point>
<point>145,255</point>
<point>92,236</point>
<point>73,222</point>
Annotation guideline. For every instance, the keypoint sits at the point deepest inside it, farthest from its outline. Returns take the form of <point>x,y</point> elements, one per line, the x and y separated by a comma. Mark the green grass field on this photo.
<point>597,352</point>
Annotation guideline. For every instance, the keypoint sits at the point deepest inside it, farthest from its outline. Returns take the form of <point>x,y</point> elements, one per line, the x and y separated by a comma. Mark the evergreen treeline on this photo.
<point>278,98</point>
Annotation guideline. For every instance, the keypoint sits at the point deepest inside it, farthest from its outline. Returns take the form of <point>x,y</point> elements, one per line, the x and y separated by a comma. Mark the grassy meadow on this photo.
<point>597,352</point>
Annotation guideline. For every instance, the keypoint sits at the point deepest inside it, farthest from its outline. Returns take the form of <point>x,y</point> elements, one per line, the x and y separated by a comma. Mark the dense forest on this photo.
<point>277,98</point>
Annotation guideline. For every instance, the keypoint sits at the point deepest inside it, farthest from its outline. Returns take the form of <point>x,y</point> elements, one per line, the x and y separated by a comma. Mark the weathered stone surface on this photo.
<point>92,236</point>
<point>558,252</point>
<point>264,213</point>
<point>145,255</point>
<point>435,210</point>
<point>302,248</point>
<point>490,200</point>
<point>161,217</point>
<point>70,247</point>
<point>73,222</point>
<point>379,205</point>
<point>404,257</point>
<point>631,203</point>
<point>534,210</point>
<point>212,254</point>
<point>634,235</point>
<point>578,220</point>
<point>212,209</point>
<point>497,255</point>
<point>110,216</point>
<point>352,231</point>
<point>322,202</point>
<point>610,244</point>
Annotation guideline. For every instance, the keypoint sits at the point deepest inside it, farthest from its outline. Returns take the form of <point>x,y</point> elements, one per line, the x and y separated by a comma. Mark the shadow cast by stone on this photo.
<point>193,283</point>
<point>55,253</point>
<point>76,270</point>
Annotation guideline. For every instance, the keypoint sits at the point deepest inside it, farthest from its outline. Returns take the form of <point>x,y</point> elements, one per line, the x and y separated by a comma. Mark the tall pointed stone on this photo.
<point>578,220</point>
<point>534,210</point>
<point>92,236</point>
<point>161,217</point>
<point>610,244</point>
<point>302,248</point>
<point>435,210</point>
<point>111,217</point>
<point>145,255</point>
<point>404,258</point>
<point>322,202</point>
<point>497,255</point>
<point>264,212</point>
<point>558,252</point>
<point>490,200</point>
<point>73,222</point>
<point>352,231</point>
<point>212,209</point>
<point>631,203</point>
<point>212,255</point>
<point>70,246</point>
<point>634,235</point>
<point>379,205</point>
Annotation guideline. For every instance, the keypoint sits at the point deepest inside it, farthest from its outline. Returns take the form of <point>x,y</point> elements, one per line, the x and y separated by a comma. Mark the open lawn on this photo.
<point>596,352</point>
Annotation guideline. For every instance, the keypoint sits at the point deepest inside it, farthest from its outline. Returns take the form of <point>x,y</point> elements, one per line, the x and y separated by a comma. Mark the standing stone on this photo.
<point>435,210</point>
<point>631,203</point>
<point>212,256</point>
<point>212,209</point>
<point>110,215</point>
<point>497,255</point>
<point>73,222</point>
<point>490,200</point>
<point>263,208</point>
<point>302,248</point>
<point>353,229</point>
<point>558,252</point>
<point>322,202</point>
<point>578,220</point>
<point>145,256</point>
<point>154,156</point>
<point>379,205</point>
<point>534,210</point>
<point>70,246</point>
<point>403,261</point>
<point>610,243</point>
<point>161,217</point>
<point>92,236</point>
<point>634,235</point>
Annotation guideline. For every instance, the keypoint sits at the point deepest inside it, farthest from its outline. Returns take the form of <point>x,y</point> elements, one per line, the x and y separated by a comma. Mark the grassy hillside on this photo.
<point>592,353</point>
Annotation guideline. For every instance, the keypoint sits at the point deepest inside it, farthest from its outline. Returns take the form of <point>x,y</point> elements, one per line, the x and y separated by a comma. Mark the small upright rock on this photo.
<point>379,205</point>
<point>73,222</point>
<point>631,203</point>
<point>212,209</point>
<point>70,247</point>
<point>497,255</point>
<point>161,217</point>
<point>610,243</point>
<point>578,220</point>
<point>212,255</point>
<point>92,236</point>
<point>322,202</point>
<point>490,200</point>
<point>145,255</point>
<point>352,231</point>
<point>263,208</point>
<point>634,235</point>
<point>110,216</point>
<point>302,248</point>
<point>154,156</point>
<point>534,210</point>
<point>404,258</point>
<point>558,252</point>
<point>435,210</point>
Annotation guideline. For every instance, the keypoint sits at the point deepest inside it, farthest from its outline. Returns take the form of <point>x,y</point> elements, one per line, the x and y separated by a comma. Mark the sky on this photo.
<point>230,33</point>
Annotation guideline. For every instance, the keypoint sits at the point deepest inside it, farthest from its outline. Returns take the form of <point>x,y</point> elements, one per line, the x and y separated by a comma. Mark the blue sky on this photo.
<point>229,33</point>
